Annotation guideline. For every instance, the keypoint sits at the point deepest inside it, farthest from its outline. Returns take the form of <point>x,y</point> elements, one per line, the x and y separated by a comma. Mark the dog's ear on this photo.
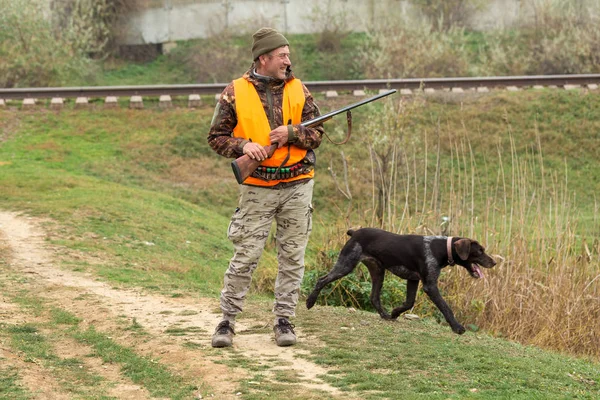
<point>463,247</point>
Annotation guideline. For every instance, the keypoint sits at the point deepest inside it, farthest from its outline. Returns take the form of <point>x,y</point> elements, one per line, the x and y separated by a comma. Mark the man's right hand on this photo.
<point>255,151</point>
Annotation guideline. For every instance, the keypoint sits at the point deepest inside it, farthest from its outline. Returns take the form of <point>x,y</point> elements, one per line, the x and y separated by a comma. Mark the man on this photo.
<point>266,106</point>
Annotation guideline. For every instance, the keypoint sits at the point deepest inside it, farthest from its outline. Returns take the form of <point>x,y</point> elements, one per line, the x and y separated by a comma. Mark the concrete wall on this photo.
<point>162,21</point>
<point>186,19</point>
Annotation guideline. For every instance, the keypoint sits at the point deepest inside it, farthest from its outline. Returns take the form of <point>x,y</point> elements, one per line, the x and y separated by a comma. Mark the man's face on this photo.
<point>275,63</point>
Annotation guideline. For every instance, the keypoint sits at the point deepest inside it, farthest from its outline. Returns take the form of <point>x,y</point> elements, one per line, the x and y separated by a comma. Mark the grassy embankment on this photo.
<point>516,171</point>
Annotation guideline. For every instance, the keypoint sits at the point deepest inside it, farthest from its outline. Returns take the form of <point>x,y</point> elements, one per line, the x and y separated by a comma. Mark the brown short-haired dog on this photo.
<point>411,257</point>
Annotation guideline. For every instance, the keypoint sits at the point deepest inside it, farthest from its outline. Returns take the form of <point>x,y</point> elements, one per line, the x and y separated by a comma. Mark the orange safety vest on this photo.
<point>253,124</point>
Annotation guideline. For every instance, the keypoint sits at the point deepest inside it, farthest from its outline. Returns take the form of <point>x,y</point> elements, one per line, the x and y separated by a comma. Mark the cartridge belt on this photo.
<point>274,173</point>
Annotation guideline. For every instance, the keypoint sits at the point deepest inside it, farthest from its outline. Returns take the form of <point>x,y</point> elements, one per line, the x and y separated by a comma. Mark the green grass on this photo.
<point>311,63</point>
<point>141,370</point>
<point>72,373</point>
<point>9,386</point>
<point>37,347</point>
<point>421,360</point>
<point>141,194</point>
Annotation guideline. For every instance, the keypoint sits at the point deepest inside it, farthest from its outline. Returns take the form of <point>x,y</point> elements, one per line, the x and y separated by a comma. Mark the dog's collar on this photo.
<point>449,248</point>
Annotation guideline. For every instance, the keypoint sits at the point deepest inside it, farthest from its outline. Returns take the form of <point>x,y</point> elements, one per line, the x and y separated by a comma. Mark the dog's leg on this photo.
<point>377,276</point>
<point>347,261</point>
<point>411,295</point>
<point>433,292</point>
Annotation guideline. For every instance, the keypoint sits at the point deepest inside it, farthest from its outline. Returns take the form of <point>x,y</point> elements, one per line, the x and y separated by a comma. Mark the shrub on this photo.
<point>447,14</point>
<point>402,50</point>
<point>93,22</point>
<point>50,44</point>
<point>558,39</point>
<point>28,57</point>
<point>207,62</point>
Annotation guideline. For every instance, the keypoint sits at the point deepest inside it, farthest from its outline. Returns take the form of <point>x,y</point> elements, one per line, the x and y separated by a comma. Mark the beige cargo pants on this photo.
<point>248,231</point>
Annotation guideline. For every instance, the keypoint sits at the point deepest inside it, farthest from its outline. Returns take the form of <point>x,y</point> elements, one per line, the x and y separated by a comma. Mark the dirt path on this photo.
<point>103,306</point>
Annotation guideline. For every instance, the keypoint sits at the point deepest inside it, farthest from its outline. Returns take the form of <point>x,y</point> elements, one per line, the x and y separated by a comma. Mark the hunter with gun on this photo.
<point>269,122</point>
<point>266,106</point>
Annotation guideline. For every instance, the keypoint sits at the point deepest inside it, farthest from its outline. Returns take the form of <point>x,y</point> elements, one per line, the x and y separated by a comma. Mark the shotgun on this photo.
<point>244,166</point>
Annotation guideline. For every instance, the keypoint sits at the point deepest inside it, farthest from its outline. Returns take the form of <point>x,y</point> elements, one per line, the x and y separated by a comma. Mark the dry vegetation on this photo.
<point>546,287</point>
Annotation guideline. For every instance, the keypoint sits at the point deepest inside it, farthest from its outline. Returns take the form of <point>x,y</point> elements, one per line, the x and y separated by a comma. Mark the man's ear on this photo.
<point>463,247</point>
<point>262,59</point>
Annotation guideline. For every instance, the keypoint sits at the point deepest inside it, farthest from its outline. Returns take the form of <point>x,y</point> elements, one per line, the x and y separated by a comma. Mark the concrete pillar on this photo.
<point>194,100</point>
<point>28,104</point>
<point>359,93</point>
<point>136,102</point>
<point>57,103</point>
<point>331,93</point>
<point>165,101</point>
<point>111,102</point>
<point>81,102</point>
<point>2,103</point>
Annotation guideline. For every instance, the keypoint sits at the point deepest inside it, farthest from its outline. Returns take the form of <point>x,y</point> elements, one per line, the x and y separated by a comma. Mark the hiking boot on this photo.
<point>284,333</point>
<point>223,336</point>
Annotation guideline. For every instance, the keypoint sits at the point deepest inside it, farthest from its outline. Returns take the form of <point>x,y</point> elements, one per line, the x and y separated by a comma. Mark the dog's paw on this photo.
<point>459,329</point>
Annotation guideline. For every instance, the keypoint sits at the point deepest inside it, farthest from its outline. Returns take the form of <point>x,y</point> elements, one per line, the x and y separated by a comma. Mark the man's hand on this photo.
<point>255,151</point>
<point>279,135</point>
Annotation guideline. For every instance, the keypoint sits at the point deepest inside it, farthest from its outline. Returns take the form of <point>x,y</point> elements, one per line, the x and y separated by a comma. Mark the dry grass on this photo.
<point>545,289</point>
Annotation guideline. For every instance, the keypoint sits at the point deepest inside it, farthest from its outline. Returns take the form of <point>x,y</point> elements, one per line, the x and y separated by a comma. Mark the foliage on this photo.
<point>54,46</point>
<point>33,52</point>
<point>92,21</point>
<point>398,49</point>
<point>354,290</point>
<point>516,171</point>
<point>560,39</point>
<point>446,14</point>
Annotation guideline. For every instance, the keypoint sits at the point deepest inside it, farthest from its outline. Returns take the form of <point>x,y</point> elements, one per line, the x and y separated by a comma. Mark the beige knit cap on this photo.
<point>265,40</point>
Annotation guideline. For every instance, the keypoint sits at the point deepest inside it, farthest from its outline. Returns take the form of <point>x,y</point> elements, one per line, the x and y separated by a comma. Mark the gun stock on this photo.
<point>244,166</point>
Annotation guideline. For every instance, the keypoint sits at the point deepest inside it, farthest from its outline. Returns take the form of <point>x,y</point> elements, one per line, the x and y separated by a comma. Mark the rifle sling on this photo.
<point>349,119</point>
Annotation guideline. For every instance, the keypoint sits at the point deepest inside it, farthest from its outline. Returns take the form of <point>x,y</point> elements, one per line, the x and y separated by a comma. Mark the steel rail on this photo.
<point>368,84</point>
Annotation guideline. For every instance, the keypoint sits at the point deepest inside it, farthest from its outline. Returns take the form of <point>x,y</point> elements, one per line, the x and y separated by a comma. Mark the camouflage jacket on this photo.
<point>270,91</point>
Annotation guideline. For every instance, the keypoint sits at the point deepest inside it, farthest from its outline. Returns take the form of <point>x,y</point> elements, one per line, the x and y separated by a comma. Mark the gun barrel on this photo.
<point>244,166</point>
<point>325,117</point>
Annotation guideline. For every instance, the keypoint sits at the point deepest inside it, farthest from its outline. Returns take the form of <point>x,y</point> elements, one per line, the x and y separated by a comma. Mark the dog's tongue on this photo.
<point>478,271</point>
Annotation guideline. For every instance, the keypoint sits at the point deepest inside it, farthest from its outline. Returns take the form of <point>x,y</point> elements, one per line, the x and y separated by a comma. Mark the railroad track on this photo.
<point>110,94</point>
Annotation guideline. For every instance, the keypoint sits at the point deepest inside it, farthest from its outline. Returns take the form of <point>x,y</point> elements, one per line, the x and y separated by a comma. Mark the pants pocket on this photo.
<point>236,225</point>
<point>310,217</point>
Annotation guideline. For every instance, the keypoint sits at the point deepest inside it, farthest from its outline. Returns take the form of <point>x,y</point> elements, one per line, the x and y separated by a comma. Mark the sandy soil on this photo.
<point>97,303</point>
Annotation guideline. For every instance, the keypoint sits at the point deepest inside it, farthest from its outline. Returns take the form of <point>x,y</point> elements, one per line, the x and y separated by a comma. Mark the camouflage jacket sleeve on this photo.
<point>220,136</point>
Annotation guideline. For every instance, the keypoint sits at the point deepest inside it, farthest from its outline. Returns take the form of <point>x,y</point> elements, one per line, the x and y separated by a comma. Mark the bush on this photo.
<point>559,39</point>
<point>447,14</point>
<point>353,290</point>
<point>50,43</point>
<point>92,22</point>
<point>33,52</point>
<point>219,58</point>
<point>402,50</point>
